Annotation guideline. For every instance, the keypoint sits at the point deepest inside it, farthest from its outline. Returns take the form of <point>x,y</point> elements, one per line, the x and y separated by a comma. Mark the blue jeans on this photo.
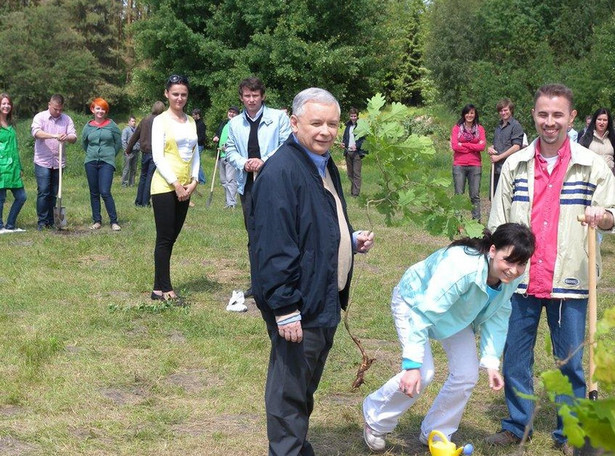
<point>20,198</point>
<point>47,180</point>
<point>472,174</point>
<point>202,178</point>
<point>566,320</point>
<point>100,177</point>
<point>145,180</point>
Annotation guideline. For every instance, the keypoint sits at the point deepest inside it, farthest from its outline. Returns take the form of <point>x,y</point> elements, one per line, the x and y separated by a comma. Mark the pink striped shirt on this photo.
<point>545,218</point>
<point>46,151</point>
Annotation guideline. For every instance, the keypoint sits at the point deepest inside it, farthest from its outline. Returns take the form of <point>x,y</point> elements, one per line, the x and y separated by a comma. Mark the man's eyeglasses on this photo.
<point>177,79</point>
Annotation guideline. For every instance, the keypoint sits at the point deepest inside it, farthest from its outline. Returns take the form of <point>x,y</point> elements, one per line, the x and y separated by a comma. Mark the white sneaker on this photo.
<point>373,439</point>
<point>424,440</point>
<point>236,303</point>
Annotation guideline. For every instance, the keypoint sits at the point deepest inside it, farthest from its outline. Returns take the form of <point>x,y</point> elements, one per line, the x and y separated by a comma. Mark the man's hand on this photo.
<point>253,165</point>
<point>292,332</point>
<point>596,216</point>
<point>496,381</point>
<point>410,383</point>
<point>365,241</point>
<point>495,158</point>
<point>492,151</point>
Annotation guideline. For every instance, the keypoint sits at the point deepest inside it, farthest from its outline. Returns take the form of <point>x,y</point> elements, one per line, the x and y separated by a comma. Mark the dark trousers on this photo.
<point>100,178</point>
<point>294,372</point>
<point>145,180</point>
<point>47,181</point>
<point>353,170</point>
<point>169,215</point>
<point>246,201</point>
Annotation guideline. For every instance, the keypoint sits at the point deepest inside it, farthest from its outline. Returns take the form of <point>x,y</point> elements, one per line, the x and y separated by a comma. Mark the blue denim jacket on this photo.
<point>444,294</point>
<point>273,130</point>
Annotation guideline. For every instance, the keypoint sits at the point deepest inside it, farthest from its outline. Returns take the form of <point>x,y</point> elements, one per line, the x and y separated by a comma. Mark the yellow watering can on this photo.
<point>443,447</point>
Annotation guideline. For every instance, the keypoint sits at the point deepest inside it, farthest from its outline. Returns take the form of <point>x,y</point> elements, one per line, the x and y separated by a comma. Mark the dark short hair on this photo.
<point>554,90</point>
<point>353,111</point>
<point>157,107</point>
<point>57,98</point>
<point>252,83</point>
<point>505,102</point>
<point>196,111</point>
<point>233,108</point>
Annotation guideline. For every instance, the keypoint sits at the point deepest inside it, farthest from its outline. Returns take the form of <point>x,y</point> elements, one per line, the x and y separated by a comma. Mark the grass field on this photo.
<point>91,366</point>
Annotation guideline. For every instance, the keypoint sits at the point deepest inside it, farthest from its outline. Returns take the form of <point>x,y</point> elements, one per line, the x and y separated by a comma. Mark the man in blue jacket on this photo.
<point>253,136</point>
<point>302,248</point>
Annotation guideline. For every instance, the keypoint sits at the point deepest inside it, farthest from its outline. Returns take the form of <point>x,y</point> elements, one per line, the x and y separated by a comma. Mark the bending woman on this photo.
<point>102,140</point>
<point>11,172</point>
<point>455,292</point>
<point>467,142</point>
<point>599,136</point>
<point>174,141</point>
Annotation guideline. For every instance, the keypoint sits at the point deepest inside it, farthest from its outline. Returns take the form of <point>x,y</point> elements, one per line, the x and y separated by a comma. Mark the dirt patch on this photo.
<point>177,337</point>
<point>10,446</point>
<point>11,410</point>
<point>73,349</point>
<point>226,271</point>
<point>247,424</point>
<point>194,380</point>
<point>129,396</point>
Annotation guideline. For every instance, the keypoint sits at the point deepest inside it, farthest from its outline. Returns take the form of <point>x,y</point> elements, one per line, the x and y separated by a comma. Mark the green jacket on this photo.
<point>10,165</point>
<point>101,143</point>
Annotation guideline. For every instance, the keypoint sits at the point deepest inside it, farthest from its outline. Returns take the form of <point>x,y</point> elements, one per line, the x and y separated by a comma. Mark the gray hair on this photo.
<point>314,95</point>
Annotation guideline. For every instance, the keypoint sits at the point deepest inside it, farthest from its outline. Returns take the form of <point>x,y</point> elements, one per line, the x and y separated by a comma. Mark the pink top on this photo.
<point>545,218</point>
<point>467,151</point>
<point>46,151</point>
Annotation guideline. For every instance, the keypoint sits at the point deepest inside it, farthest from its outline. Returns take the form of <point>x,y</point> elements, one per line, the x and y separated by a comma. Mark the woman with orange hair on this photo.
<point>101,140</point>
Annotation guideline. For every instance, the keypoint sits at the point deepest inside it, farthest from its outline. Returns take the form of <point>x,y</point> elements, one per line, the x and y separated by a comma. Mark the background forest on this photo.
<point>448,52</point>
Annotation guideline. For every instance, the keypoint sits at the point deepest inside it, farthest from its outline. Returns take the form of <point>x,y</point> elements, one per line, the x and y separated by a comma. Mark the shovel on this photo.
<point>213,179</point>
<point>59,212</point>
<point>592,316</point>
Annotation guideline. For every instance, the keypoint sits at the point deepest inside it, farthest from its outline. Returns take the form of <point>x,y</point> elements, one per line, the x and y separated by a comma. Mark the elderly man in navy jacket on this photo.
<point>302,257</point>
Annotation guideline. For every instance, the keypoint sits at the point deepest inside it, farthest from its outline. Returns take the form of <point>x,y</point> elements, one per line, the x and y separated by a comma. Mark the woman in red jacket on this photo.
<point>467,142</point>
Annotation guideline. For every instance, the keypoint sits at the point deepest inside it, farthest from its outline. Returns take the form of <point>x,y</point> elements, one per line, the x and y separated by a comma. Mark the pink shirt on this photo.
<point>467,153</point>
<point>545,218</point>
<point>46,151</point>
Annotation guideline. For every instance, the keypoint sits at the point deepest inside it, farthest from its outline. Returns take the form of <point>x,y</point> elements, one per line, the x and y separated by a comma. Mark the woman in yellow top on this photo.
<point>174,141</point>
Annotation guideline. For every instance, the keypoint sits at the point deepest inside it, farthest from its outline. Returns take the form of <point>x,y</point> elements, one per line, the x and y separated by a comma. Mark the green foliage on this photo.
<point>33,66</point>
<point>409,188</point>
<point>594,419</point>
<point>289,46</point>
<point>478,52</point>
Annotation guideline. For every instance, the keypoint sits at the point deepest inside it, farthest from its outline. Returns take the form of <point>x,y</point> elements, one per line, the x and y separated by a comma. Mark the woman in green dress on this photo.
<point>11,172</point>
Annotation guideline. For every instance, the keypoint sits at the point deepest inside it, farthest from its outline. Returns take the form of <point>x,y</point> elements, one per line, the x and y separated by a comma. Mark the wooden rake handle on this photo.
<point>592,305</point>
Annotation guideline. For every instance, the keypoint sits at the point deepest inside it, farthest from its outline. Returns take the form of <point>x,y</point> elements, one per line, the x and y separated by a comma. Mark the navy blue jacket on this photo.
<point>358,141</point>
<point>294,240</point>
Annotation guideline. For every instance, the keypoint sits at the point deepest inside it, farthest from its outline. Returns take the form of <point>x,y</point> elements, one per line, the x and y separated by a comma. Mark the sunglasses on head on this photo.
<point>177,79</point>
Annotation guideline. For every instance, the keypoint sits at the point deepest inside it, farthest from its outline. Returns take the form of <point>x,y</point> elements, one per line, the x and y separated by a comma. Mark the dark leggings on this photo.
<point>169,215</point>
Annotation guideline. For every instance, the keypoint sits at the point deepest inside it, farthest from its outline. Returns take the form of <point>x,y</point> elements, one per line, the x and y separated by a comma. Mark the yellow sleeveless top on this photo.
<point>180,167</point>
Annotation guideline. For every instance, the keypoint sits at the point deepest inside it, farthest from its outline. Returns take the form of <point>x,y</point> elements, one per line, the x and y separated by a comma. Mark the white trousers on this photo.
<point>383,408</point>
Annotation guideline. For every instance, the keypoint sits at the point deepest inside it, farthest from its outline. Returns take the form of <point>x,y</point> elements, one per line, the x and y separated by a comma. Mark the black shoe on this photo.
<point>157,297</point>
<point>248,293</point>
